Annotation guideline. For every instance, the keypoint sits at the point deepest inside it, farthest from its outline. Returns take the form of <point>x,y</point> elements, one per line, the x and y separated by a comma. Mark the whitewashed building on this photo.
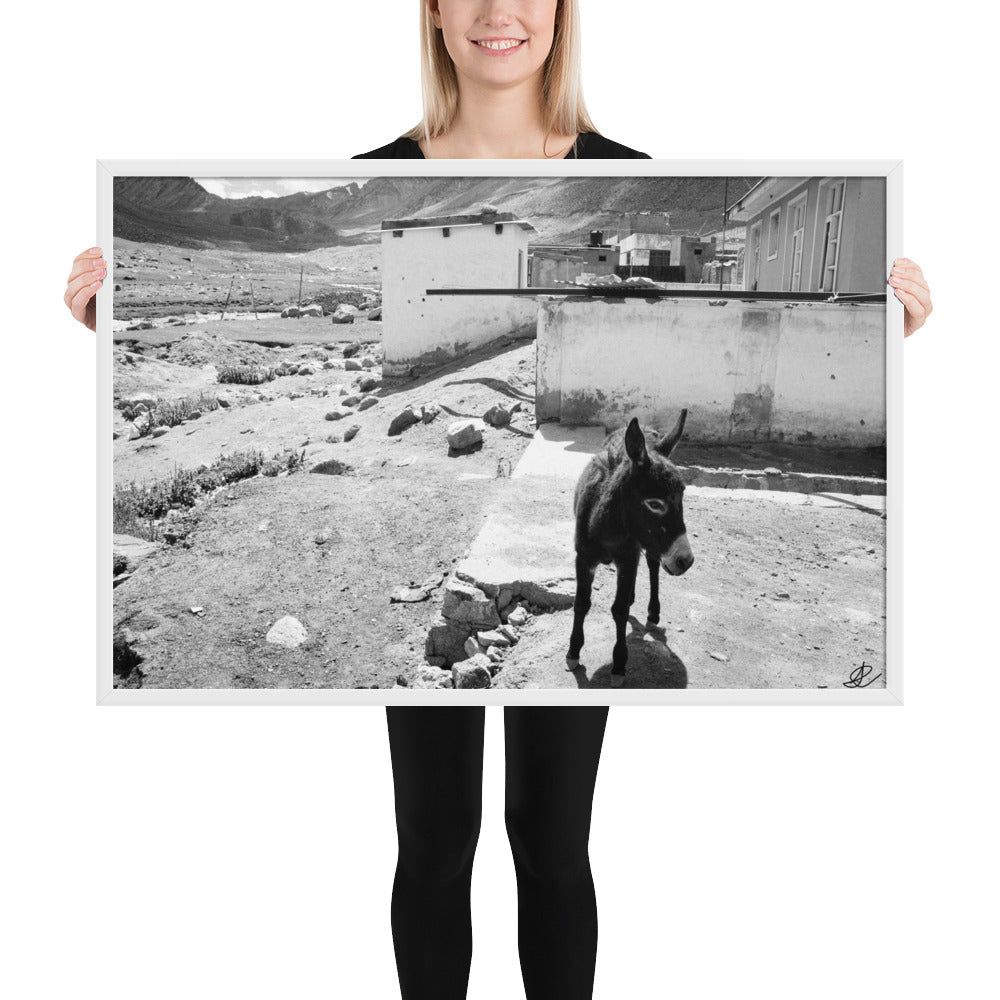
<point>485,250</point>
<point>807,234</point>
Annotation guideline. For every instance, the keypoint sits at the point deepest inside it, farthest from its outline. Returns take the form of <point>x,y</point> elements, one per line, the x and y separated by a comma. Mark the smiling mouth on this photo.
<point>499,44</point>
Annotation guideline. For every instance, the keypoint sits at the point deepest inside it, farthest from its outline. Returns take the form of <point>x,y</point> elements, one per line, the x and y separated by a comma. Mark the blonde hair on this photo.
<point>562,91</point>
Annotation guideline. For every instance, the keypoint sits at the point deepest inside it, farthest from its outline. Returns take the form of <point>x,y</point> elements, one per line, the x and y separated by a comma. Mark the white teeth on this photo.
<point>499,45</point>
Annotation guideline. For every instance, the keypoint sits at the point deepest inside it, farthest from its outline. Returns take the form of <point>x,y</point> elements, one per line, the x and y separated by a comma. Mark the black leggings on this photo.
<point>552,753</point>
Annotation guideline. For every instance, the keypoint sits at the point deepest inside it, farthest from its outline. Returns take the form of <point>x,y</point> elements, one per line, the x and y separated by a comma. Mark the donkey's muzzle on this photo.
<point>678,558</point>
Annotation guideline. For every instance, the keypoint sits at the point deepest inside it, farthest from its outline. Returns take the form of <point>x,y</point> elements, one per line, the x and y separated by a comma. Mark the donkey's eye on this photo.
<point>655,506</point>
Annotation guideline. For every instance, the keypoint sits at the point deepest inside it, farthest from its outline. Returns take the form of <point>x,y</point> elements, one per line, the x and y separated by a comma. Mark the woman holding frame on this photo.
<point>500,79</point>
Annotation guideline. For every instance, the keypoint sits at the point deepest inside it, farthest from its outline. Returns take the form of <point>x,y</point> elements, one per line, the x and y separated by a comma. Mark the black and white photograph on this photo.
<point>570,432</point>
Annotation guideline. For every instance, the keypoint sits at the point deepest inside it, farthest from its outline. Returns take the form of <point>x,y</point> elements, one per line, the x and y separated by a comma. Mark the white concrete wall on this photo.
<point>745,370</point>
<point>420,330</point>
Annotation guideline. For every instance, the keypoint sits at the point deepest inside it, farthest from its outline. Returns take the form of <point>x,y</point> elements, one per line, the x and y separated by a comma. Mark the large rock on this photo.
<point>288,632</point>
<point>339,412</point>
<point>369,382</point>
<point>290,312</point>
<point>315,309</point>
<point>465,433</point>
<point>146,399</point>
<point>446,640</point>
<point>466,605</point>
<point>351,365</point>
<point>405,418</point>
<point>351,349</point>
<point>344,313</point>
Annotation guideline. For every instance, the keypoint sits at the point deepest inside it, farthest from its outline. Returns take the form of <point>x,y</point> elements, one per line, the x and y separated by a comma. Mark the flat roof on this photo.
<point>453,221</point>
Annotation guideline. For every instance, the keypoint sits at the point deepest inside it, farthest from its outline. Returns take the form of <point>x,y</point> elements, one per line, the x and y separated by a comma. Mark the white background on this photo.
<point>738,852</point>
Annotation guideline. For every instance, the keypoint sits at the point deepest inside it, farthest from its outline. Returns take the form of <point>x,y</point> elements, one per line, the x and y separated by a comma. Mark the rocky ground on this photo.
<point>328,550</point>
<point>337,570</point>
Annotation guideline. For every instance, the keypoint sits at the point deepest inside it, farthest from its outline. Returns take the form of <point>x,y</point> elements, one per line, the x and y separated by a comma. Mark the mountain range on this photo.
<point>178,211</point>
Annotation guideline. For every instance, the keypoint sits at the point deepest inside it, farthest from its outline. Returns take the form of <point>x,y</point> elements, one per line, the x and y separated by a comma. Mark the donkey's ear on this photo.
<point>668,442</point>
<point>635,442</point>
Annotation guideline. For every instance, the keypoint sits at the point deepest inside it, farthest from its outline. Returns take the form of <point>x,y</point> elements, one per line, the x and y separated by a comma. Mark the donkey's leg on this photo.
<point>653,618</point>
<point>627,566</point>
<point>581,605</point>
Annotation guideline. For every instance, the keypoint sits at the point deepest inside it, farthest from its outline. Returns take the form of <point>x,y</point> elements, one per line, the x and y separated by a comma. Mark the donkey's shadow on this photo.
<point>651,662</point>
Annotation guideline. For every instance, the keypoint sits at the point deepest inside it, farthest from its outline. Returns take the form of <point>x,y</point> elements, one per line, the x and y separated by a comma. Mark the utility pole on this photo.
<point>301,269</point>
<point>725,212</point>
<point>231,280</point>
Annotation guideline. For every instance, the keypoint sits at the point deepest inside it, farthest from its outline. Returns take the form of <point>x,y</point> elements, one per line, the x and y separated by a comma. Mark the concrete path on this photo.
<point>787,589</point>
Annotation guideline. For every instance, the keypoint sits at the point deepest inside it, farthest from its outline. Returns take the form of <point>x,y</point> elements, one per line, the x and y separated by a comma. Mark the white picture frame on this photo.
<point>892,694</point>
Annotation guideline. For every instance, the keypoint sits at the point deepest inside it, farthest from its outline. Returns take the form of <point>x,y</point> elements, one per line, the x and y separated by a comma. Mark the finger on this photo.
<point>92,252</point>
<point>81,281</point>
<point>911,271</point>
<point>913,305</point>
<point>913,287</point>
<point>85,265</point>
<point>78,304</point>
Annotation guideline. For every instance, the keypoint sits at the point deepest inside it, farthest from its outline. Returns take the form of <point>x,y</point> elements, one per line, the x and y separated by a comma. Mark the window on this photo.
<point>796,239</point>
<point>397,232</point>
<point>498,228</point>
<point>832,202</point>
<point>602,256</point>
<point>772,234</point>
<point>445,231</point>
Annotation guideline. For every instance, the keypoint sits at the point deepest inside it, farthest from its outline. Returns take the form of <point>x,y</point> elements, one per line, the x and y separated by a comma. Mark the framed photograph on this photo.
<point>499,432</point>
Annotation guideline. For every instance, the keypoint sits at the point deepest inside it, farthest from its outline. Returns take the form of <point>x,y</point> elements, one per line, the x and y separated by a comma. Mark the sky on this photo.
<point>272,187</point>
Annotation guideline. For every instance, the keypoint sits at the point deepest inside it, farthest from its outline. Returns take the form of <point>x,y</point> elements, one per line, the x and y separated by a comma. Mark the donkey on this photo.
<point>628,499</point>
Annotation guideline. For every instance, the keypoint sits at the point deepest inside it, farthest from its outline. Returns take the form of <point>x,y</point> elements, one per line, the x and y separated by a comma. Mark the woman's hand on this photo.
<point>85,277</point>
<point>911,289</point>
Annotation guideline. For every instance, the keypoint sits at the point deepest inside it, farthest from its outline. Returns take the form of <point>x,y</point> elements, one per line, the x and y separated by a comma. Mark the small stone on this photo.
<point>493,637</point>
<point>472,647</point>
<point>721,657</point>
<point>350,365</point>
<point>351,432</point>
<point>472,673</point>
<point>518,616</point>
<point>158,431</point>
<point>367,402</point>
<point>497,415</point>
<point>408,595</point>
<point>465,434</point>
<point>338,413</point>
